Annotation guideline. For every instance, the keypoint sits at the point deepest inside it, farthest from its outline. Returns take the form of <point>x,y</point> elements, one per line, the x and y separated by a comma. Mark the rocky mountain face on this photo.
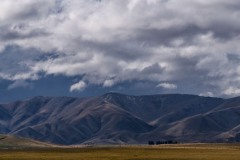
<point>116,119</point>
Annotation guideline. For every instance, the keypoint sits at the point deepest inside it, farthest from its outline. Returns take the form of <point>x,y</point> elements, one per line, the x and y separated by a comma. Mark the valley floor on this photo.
<point>163,152</point>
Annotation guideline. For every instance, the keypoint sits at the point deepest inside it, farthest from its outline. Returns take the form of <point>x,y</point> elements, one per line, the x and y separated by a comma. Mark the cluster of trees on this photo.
<point>162,142</point>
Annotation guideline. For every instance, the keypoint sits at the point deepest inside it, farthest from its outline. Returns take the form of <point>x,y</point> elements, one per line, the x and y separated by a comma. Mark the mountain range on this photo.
<point>115,118</point>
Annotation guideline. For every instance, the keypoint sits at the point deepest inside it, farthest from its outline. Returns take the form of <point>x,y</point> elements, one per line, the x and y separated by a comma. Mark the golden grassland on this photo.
<point>162,152</point>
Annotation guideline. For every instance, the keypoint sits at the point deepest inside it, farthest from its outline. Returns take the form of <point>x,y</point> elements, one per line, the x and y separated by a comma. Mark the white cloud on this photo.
<point>143,40</point>
<point>23,10</point>
<point>80,86</point>
<point>108,83</point>
<point>167,86</point>
<point>231,91</point>
<point>207,94</point>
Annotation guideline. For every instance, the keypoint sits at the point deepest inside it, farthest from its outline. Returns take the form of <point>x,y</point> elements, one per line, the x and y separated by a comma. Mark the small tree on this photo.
<point>158,142</point>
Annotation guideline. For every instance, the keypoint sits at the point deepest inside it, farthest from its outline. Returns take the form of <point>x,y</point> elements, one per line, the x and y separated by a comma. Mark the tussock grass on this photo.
<point>165,152</point>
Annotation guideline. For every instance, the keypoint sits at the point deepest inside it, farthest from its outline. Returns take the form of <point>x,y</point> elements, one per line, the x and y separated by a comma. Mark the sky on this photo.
<point>90,47</point>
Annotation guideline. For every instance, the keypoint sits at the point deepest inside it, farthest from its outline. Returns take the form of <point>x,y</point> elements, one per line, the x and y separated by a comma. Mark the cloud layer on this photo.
<point>188,46</point>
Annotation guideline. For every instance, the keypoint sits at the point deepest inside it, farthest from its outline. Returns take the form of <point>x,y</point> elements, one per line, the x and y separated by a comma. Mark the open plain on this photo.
<point>161,152</point>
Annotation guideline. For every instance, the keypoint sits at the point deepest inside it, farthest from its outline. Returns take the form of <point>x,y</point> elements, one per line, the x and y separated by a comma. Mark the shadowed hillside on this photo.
<point>116,119</point>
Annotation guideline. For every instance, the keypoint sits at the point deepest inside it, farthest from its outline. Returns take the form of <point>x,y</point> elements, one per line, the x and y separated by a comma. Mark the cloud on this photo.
<point>80,86</point>
<point>108,83</point>
<point>167,86</point>
<point>207,94</point>
<point>107,42</point>
<point>24,10</point>
<point>232,91</point>
<point>16,63</point>
<point>19,84</point>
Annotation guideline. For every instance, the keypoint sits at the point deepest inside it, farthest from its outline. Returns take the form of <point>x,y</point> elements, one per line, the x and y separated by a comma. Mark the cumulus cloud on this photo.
<point>107,42</point>
<point>232,91</point>
<point>167,86</point>
<point>108,83</point>
<point>80,86</point>
<point>206,94</point>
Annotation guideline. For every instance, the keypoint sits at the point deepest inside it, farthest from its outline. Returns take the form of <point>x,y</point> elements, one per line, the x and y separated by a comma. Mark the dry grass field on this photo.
<point>163,152</point>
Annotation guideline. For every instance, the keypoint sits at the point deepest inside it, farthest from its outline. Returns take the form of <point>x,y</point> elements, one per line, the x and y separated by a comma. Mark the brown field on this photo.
<point>163,152</point>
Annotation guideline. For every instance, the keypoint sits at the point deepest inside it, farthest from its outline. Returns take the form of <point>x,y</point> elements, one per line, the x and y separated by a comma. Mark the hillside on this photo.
<point>117,119</point>
<point>9,141</point>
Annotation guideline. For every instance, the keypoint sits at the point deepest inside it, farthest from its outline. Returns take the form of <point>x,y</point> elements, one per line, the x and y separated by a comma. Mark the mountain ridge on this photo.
<point>117,118</point>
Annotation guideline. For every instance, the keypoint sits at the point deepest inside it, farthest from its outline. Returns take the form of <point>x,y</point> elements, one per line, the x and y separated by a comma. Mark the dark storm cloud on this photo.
<point>166,36</point>
<point>189,46</point>
<point>19,32</point>
<point>16,62</point>
<point>233,58</point>
<point>154,68</point>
